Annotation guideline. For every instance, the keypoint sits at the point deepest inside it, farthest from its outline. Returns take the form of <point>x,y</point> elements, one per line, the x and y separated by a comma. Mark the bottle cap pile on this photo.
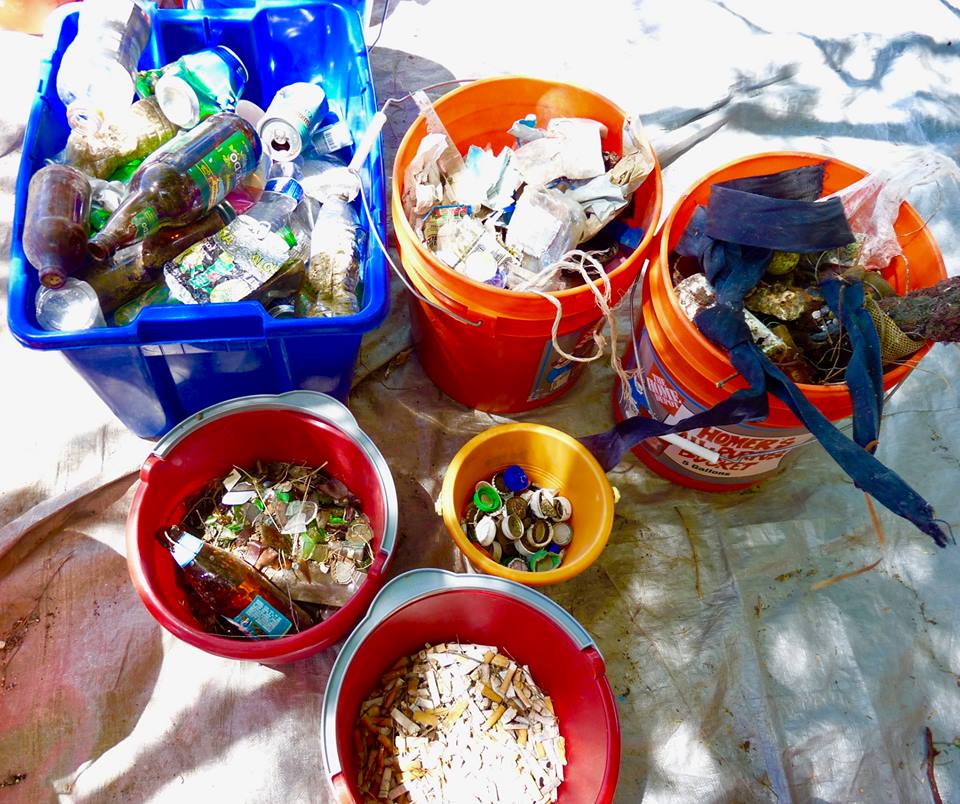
<point>518,524</point>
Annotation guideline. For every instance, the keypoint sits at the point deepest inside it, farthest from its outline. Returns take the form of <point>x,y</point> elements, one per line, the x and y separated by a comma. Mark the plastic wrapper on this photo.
<point>496,177</point>
<point>545,225</point>
<point>603,197</point>
<point>570,149</point>
<point>234,264</point>
<point>470,247</point>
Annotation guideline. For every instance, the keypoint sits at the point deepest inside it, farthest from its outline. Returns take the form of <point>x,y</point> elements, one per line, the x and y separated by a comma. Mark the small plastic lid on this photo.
<point>516,479</point>
<point>286,185</point>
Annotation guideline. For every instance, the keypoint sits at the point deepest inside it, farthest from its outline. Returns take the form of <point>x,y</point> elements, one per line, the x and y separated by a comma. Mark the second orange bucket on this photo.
<point>503,360</point>
<point>551,459</point>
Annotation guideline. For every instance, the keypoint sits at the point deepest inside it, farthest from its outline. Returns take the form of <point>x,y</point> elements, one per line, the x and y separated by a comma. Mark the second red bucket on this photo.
<point>495,353</point>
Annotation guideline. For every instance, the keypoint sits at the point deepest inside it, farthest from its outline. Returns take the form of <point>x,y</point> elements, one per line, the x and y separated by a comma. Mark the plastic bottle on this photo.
<point>234,589</point>
<point>182,181</point>
<point>336,256</point>
<point>95,79</point>
<point>135,134</point>
<point>70,308</point>
<point>135,268</point>
<point>57,223</point>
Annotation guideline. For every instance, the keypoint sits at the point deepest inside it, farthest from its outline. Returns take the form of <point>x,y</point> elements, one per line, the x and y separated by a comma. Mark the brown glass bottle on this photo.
<point>234,589</point>
<point>136,268</point>
<point>181,181</point>
<point>135,135</point>
<point>57,223</point>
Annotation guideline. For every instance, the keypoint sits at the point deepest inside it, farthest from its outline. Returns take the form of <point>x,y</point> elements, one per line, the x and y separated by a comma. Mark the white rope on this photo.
<point>575,259</point>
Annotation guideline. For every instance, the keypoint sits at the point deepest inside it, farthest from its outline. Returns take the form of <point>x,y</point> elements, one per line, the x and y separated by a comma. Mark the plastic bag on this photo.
<point>872,204</point>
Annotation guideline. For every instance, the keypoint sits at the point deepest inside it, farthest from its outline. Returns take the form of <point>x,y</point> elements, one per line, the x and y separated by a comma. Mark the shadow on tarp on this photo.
<point>80,655</point>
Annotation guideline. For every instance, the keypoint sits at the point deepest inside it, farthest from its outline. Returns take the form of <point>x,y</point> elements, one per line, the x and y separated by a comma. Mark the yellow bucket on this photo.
<point>551,459</point>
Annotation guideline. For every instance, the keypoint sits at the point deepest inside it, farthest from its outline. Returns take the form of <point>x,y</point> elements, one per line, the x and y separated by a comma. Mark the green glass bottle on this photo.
<point>182,181</point>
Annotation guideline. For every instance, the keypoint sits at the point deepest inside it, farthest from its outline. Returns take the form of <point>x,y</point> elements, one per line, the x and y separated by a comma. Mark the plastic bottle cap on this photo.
<point>486,531</point>
<point>486,498</point>
<point>516,479</point>
<point>544,561</point>
<point>562,534</point>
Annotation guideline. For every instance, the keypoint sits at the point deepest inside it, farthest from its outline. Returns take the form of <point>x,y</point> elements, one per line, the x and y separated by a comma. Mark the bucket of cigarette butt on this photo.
<point>431,606</point>
<point>551,459</point>
<point>504,360</point>
<point>684,373</point>
<point>299,427</point>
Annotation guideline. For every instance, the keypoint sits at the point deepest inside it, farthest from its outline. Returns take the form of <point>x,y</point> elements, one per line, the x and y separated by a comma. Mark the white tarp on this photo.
<point>736,679</point>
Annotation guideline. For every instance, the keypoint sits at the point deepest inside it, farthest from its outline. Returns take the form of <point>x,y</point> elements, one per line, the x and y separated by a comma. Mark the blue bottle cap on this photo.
<point>515,478</point>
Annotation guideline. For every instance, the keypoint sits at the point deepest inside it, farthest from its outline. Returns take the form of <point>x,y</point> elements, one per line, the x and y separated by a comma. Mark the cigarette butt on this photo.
<point>497,714</point>
<point>413,685</point>
<point>385,742</point>
<point>500,660</point>
<point>402,662</point>
<point>457,710</point>
<point>426,718</point>
<point>369,725</point>
<point>540,750</point>
<point>522,737</point>
<point>492,694</point>
<point>549,704</point>
<point>562,749</point>
<point>391,696</point>
<point>488,656</point>
<point>505,685</point>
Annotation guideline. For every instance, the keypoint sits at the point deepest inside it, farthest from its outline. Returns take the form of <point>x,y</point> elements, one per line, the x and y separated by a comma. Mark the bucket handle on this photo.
<point>407,588</point>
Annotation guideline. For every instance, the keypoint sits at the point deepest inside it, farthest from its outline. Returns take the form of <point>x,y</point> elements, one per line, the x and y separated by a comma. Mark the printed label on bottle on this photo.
<point>260,619</point>
<point>145,221</point>
<point>186,548</point>
<point>217,173</point>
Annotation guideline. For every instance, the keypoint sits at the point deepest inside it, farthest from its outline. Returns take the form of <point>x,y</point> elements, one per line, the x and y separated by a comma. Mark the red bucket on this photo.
<point>430,605</point>
<point>300,426</point>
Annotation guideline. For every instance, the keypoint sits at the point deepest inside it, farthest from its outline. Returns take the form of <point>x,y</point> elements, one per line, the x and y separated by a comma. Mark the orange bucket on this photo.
<point>551,459</point>
<point>499,357</point>
<point>684,373</point>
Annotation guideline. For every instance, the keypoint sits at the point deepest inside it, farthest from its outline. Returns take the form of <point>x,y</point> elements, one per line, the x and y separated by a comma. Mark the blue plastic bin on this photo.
<point>173,361</point>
